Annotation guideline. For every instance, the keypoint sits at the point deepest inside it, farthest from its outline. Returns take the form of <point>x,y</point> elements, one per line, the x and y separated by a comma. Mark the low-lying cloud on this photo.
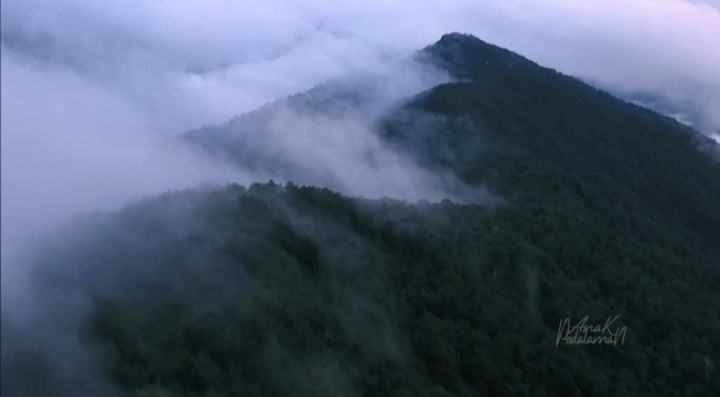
<point>196,62</point>
<point>94,92</point>
<point>90,87</point>
<point>70,145</point>
<point>329,137</point>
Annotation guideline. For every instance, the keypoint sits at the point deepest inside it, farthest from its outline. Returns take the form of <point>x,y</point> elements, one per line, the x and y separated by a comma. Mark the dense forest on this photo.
<point>608,210</point>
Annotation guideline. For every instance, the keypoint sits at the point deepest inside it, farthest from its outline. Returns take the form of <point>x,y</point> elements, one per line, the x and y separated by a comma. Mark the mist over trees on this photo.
<point>574,204</point>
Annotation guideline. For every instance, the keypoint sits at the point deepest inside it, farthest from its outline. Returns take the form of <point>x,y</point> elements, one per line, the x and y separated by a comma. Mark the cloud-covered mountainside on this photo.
<point>191,62</point>
<point>327,137</point>
<point>521,197</point>
<point>684,112</point>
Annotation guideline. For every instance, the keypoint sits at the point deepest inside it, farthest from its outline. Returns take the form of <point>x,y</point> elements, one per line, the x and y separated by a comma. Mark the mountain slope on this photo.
<point>308,136</point>
<point>609,210</point>
<point>643,161</point>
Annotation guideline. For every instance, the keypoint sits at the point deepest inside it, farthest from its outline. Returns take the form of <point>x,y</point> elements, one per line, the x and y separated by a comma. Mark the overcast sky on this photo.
<point>185,63</point>
<point>88,85</point>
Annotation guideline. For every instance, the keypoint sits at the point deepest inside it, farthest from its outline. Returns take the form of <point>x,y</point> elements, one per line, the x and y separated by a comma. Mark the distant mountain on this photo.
<point>607,212</point>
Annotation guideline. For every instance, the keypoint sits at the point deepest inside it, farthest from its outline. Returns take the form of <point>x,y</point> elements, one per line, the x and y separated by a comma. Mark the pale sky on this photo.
<point>185,63</point>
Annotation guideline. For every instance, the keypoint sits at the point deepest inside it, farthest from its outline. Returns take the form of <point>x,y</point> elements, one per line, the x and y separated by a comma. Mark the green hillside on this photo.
<point>268,290</point>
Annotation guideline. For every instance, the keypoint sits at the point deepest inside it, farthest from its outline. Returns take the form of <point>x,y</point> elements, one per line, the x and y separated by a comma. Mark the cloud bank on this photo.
<point>90,87</point>
<point>196,62</point>
<point>92,91</point>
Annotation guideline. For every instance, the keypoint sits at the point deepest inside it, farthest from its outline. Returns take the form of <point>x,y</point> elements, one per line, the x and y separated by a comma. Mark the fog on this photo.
<point>70,146</point>
<point>89,87</point>
<point>73,144</point>
<point>199,62</point>
<point>94,94</point>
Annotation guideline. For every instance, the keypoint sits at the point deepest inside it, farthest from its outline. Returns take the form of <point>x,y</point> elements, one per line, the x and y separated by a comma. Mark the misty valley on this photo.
<point>420,231</point>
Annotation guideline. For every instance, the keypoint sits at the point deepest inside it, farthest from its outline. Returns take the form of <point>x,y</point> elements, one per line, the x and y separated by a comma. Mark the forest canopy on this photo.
<point>609,211</point>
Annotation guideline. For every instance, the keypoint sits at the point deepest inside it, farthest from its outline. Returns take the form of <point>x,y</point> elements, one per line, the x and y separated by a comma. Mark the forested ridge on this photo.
<point>607,210</point>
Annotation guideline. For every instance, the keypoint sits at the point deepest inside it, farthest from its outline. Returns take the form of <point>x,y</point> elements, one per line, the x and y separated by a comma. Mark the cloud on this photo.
<point>71,145</point>
<point>74,141</point>
<point>90,87</point>
<point>201,62</point>
<point>668,48</point>
<point>92,91</point>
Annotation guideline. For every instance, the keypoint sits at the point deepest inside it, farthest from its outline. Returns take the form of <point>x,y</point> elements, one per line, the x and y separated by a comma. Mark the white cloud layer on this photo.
<point>251,52</point>
<point>88,86</point>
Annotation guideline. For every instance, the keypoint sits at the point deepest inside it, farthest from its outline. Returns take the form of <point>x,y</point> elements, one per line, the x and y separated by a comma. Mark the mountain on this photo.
<point>684,112</point>
<point>592,207</point>
<point>308,137</point>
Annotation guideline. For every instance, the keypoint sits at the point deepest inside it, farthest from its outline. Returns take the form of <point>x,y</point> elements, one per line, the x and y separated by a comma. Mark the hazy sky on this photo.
<point>89,86</point>
<point>189,62</point>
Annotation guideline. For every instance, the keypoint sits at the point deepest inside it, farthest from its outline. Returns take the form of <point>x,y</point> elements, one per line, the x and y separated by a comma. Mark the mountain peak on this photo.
<point>468,57</point>
<point>460,38</point>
